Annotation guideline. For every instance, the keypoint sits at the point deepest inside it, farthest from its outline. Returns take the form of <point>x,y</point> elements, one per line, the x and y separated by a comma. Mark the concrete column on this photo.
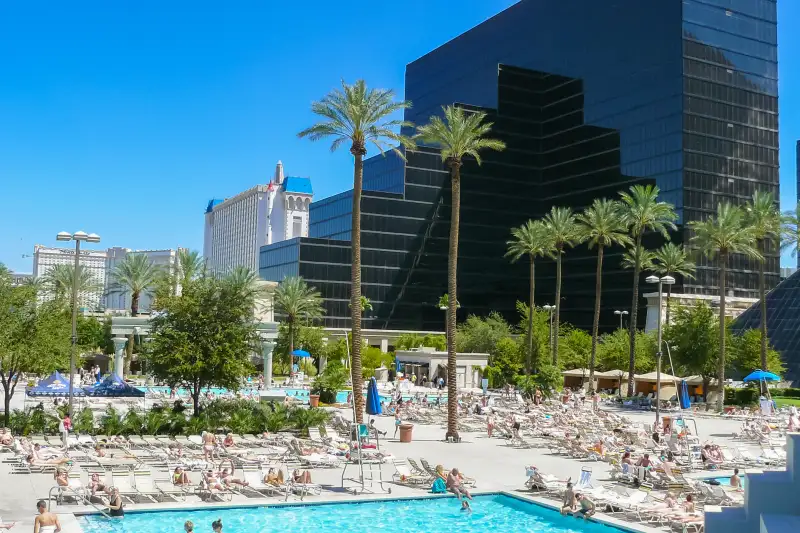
<point>266,351</point>
<point>119,355</point>
<point>385,345</point>
<point>323,362</point>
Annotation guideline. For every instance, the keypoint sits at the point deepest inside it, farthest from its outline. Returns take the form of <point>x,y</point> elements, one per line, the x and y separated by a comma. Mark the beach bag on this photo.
<point>439,486</point>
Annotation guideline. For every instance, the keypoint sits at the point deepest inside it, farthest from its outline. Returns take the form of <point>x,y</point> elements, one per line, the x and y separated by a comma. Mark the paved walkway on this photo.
<point>495,465</point>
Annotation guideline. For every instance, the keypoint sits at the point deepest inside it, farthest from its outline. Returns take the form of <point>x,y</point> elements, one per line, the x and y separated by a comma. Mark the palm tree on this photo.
<point>642,212</point>
<point>532,240</point>
<point>135,274</point>
<point>296,300</point>
<point>602,226</point>
<point>562,227</point>
<point>763,216</point>
<point>672,259</point>
<point>189,265</point>
<point>459,134</point>
<point>246,282</point>
<point>790,231</point>
<point>359,116</point>
<point>59,279</point>
<point>723,235</point>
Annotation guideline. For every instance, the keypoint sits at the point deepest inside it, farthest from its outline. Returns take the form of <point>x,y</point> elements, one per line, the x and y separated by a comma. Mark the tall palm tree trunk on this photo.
<point>558,307</point>
<point>452,301</point>
<point>126,370</point>
<point>723,271</point>
<point>763,301</point>
<point>637,270</point>
<point>596,322</point>
<point>529,360</point>
<point>355,283</point>
<point>291,337</point>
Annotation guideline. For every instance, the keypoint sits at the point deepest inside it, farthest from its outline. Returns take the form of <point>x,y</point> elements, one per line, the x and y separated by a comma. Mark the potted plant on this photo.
<point>328,384</point>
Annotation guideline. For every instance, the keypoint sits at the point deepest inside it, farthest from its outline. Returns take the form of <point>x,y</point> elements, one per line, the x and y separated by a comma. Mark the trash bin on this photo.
<point>405,432</point>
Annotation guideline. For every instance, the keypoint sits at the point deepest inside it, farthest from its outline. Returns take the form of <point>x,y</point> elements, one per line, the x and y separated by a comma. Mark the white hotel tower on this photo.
<point>237,227</point>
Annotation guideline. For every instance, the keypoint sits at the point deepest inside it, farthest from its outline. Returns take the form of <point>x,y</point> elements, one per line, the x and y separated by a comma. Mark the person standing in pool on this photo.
<point>115,503</point>
<point>736,481</point>
<point>216,525</point>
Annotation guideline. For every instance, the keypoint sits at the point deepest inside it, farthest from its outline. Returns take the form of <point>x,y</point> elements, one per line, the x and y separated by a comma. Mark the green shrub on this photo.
<point>329,382</point>
<point>745,396</point>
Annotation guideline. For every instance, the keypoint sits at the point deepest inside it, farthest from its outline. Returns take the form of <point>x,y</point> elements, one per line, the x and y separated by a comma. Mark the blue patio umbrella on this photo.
<point>761,375</point>
<point>683,394</point>
<point>301,353</point>
<point>373,398</point>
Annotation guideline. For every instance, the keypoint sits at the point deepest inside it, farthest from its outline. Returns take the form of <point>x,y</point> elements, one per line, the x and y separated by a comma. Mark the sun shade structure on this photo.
<point>760,375</point>
<point>114,387</point>
<point>54,385</point>
<point>301,353</point>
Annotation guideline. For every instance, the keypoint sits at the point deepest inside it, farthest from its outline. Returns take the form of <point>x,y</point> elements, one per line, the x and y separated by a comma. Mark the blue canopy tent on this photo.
<point>54,385</point>
<point>114,387</point>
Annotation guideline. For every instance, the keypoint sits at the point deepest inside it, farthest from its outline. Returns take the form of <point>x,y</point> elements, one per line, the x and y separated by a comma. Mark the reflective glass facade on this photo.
<point>591,98</point>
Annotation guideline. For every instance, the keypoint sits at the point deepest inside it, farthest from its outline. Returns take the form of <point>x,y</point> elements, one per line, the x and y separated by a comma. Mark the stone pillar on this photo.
<point>385,345</point>
<point>119,355</point>
<point>266,351</point>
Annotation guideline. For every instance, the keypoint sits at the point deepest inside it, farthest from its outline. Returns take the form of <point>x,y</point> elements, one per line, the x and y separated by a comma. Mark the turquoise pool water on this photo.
<point>300,394</point>
<point>489,513</point>
<point>726,480</point>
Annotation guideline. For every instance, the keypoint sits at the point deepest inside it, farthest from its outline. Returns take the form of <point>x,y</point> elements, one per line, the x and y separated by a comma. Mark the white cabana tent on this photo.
<point>646,383</point>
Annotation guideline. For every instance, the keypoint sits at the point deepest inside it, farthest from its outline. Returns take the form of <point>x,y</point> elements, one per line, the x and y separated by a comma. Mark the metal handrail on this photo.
<point>83,498</point>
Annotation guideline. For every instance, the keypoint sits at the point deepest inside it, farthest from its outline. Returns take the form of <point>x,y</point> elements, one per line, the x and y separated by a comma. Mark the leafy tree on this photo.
<point>533,240</point>
<point>438,342</point>
<point>693,337</point>
<point>790,231</point>
<point>33,338</point>
<point>203,338</point>
<point>547,379</point>
<point>562,227</point>
<point>373,358</point>
<point>481,334</point>
<point>91,333</point>
<point>612,353</point>
<point>309,338</point>
<point>135,274</point>
<point>601,225</point>
<point>505,363</point>
<point>59,279</point>
<point>672,260</point>
<point>575,348</point>
<point>189,265</point>
<point>763,216</point>
<point>541,332</point>
<point>296,300</point>
<point>359,116</point>
<point>407,341</point>
<point>642,212</point>
<point>461,134</point>
<point>721,236</point>
<point>746,355</point>
<point>329,382</point>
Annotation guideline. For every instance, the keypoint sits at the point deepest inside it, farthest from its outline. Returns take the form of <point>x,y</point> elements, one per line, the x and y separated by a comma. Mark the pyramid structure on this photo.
<point>783,322</point>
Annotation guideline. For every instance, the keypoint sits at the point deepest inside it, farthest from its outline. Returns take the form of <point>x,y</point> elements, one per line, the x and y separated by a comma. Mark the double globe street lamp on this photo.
<point>665,280</point>
<point>78,237</point>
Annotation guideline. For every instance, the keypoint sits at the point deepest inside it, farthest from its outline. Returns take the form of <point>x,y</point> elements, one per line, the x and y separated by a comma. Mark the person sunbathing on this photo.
<point>228,479</point>
<point>454,485</point>
<point>6,438</point>
<point>43,454</point>
<point>180,477</point>
<point>211,481</point>
<point>229,442</point>
<point>60,475</point>
<point>301,477</point>
<point>274,478</point>
<point>709,459</point>
<point>99,451</point>
<point>32,461</point>
<point>96,485</point>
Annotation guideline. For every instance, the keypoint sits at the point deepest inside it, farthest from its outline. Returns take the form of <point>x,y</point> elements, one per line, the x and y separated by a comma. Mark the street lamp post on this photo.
<point>550,308</point>
<point>621,314</point>
<point>78,237</point>
<point>666,280</point>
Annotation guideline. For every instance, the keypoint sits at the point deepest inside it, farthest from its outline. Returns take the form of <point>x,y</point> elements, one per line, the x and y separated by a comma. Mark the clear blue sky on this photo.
<point>125,118</point>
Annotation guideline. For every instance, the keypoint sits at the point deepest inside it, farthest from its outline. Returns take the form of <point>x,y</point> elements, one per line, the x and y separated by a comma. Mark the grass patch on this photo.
<point>781,402</point>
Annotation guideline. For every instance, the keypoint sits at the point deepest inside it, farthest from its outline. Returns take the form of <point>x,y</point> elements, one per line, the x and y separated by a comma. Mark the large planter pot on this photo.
<point>313,400</point>
<point>405,432</point>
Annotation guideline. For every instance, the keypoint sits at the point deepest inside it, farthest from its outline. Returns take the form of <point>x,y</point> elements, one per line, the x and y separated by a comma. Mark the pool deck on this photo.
<point>496,467</point>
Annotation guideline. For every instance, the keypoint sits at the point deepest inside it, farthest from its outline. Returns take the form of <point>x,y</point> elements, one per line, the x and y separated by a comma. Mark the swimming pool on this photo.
<point>300,394</point>
<point>490,513</point>
<point>726,480</point>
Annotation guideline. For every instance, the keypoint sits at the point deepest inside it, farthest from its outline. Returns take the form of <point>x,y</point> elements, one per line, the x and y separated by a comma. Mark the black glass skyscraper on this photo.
<point>590,97</point>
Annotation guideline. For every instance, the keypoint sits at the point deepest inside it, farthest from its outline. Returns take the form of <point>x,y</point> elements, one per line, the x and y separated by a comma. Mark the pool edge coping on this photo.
<point>600,518</point>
